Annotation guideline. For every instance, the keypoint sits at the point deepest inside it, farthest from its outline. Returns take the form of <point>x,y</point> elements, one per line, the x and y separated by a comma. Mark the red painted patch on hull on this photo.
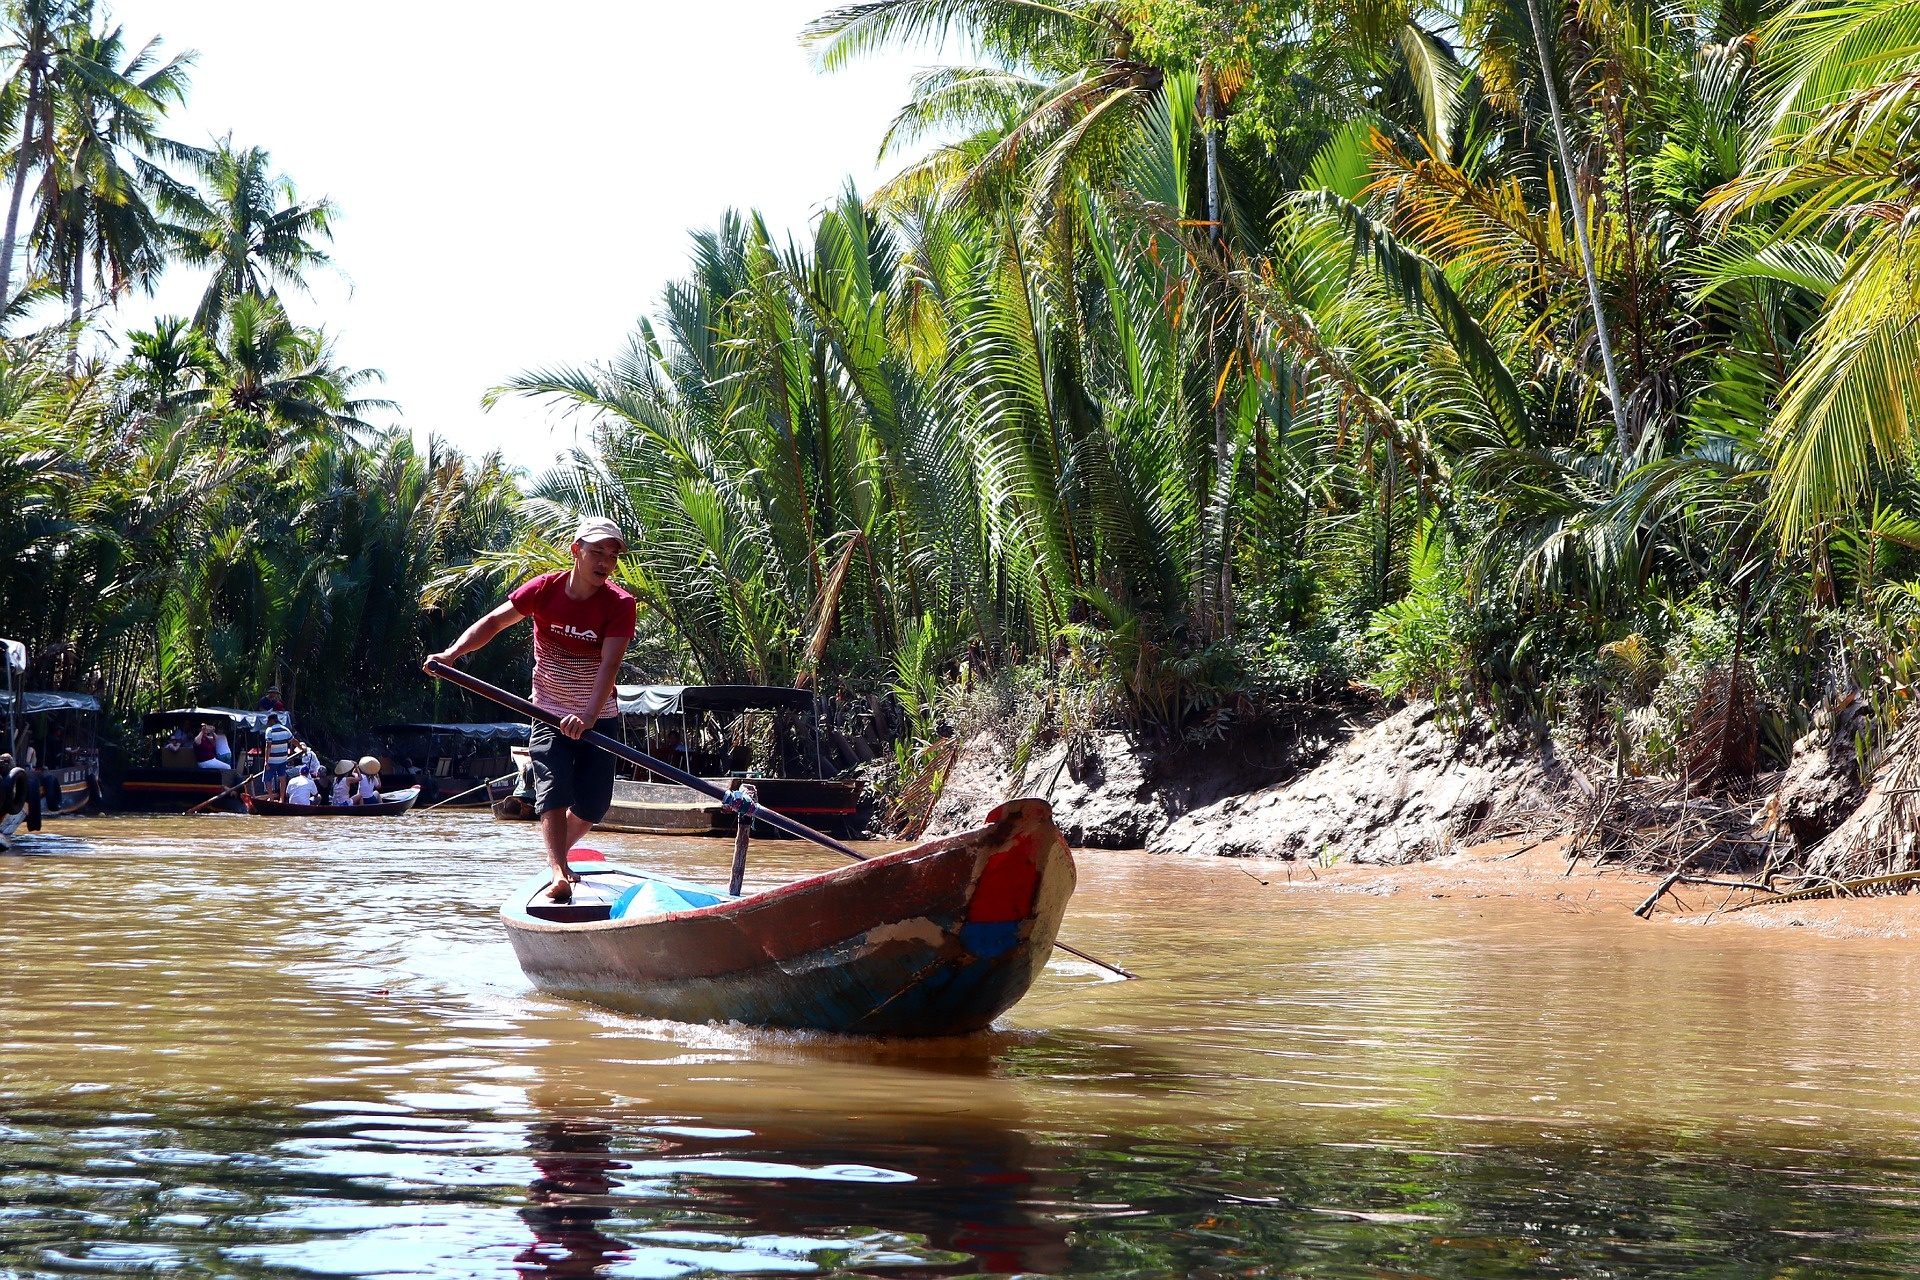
<point>1005,891</point>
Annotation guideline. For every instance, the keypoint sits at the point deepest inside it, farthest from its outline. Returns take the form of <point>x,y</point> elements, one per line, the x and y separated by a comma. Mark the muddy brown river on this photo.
<point>256,1047</point>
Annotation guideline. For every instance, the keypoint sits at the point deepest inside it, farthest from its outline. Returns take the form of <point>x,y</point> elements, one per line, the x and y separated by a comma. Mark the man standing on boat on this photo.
<point>582,624</point>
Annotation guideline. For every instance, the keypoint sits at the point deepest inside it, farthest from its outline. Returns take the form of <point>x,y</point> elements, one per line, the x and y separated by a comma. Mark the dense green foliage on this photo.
<point>210,513</point>
<point>1550,359</point>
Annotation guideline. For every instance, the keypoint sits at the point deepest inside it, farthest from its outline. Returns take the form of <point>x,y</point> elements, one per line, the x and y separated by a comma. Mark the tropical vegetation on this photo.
<point>1553,359</point>
<point>207,511</point>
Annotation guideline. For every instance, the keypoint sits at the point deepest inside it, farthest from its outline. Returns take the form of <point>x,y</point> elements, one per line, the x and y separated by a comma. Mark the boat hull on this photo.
<point>150,789</point>
<point>938,939</point>
<point>265,807</point>
<point>78,787</point>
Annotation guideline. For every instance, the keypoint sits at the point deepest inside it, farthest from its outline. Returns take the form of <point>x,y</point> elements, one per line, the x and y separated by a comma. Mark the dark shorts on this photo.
<point>572,775</point>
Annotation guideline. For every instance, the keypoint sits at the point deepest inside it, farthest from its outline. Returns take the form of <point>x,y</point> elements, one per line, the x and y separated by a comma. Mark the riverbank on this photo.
<point>1524,873</point>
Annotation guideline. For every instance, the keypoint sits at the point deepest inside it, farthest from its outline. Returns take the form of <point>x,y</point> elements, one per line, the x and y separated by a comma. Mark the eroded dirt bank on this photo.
<point>1343,784</point>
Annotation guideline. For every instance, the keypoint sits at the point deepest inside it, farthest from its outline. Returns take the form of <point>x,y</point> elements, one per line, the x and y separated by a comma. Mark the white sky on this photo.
<point>517,182</point>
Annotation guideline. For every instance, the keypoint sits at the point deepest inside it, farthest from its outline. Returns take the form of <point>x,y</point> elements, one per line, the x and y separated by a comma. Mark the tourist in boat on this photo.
<point>206,749</point>
<point>342,783</point>
<point>367,781</point>
<point>302,789</point>
<point>582,624</point>
<point>279,739</point>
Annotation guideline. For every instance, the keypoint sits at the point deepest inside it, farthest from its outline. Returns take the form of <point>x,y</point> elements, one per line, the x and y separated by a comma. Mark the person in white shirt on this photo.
<point>301,789</point>
<point>367,786</point>
<point>343,782</point>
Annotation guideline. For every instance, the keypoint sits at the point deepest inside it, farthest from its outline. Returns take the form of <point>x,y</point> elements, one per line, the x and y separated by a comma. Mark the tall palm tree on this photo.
<point>106,107</point>
<point>1841,102</point>
<point>248,225</point>
<point>34,32</point>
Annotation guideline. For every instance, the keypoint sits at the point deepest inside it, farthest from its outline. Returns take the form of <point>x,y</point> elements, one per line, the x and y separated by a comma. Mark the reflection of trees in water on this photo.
<point>575,1160</point>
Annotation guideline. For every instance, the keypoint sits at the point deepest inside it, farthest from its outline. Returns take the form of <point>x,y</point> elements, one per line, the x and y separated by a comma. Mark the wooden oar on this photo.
<point>773,818</point>
<point>229,791</point>
<point>469,791</point>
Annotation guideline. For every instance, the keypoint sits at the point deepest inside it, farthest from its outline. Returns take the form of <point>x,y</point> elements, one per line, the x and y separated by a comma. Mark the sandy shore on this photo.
<point>1539,874</point>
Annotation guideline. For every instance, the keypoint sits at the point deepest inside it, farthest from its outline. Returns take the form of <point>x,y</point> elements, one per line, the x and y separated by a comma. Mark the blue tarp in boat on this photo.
<point>658,898</point>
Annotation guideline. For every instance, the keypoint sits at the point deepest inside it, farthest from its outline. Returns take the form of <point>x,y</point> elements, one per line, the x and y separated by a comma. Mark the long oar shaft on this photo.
<point>464,794</point>
<point>226,792</point>
<point>613,747</point>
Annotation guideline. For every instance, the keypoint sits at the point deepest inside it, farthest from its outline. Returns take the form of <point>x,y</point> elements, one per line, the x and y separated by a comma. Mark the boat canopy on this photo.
<point>514,731</point>
<point>673,699</point>
<point>34,703</point>
<point>155,721</point>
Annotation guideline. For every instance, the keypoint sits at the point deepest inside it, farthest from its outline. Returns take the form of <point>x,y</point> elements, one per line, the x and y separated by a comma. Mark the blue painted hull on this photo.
<point>938,939</point>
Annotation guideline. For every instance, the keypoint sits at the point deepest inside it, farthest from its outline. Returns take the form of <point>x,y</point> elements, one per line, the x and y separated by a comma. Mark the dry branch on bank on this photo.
<point>1654,825</point>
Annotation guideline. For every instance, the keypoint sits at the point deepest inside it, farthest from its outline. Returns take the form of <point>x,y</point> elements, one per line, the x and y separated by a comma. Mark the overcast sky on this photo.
<point>516,181</point>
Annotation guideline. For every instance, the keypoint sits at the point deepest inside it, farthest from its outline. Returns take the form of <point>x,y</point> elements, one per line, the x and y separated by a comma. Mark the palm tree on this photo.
<point>106,106</point>
<point>34,31</point>
<point>248,225</point>
<point>279,383</point>
<point>1842,98</point>
<point>162,364</point>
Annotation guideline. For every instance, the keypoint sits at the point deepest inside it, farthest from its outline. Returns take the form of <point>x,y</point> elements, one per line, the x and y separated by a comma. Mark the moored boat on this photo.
<point>392,804</point>
<point>61,726</point>
<point>936,939</point>
<point>171,778</point>
<point>456,759</point>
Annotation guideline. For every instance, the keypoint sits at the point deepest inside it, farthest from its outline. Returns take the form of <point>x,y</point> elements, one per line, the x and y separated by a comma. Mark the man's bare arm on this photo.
<point>477,635</point>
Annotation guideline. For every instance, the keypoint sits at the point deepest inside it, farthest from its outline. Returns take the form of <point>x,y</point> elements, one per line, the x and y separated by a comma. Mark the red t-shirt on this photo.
<point>566,640</point>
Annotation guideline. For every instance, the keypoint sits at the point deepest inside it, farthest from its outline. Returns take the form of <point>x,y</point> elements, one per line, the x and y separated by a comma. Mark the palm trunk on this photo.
<point>1580,233</point>
<point>19,185</point>
<point>78,288</point>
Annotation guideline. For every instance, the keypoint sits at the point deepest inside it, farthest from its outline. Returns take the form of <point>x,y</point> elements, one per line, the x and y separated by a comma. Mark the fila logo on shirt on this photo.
<point>574,633</point>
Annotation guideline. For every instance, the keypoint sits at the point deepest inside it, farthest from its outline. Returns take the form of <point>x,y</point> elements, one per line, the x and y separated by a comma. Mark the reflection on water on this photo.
<point>255,1047</point>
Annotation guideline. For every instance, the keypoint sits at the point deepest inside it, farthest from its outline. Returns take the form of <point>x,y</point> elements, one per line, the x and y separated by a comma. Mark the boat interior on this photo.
<point>608,891</point>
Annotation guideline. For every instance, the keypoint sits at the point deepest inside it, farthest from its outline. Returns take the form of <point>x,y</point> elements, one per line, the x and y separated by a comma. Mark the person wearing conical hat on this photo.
<point>367,780</point>
<point>342,782</point>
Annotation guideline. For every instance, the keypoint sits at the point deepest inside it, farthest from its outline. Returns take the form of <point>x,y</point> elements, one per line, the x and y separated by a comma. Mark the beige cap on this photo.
<point>598,529</point>
<point>370,765</point>
<point>342,768</point>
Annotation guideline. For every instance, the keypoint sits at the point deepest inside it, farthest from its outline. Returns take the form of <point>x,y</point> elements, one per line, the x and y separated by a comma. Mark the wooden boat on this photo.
<point>708,730</point>
<point>392,804</point>
<point>169,778</point>
<point>937,939</point>
<point>64,724</point>
<point>458,757</point>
